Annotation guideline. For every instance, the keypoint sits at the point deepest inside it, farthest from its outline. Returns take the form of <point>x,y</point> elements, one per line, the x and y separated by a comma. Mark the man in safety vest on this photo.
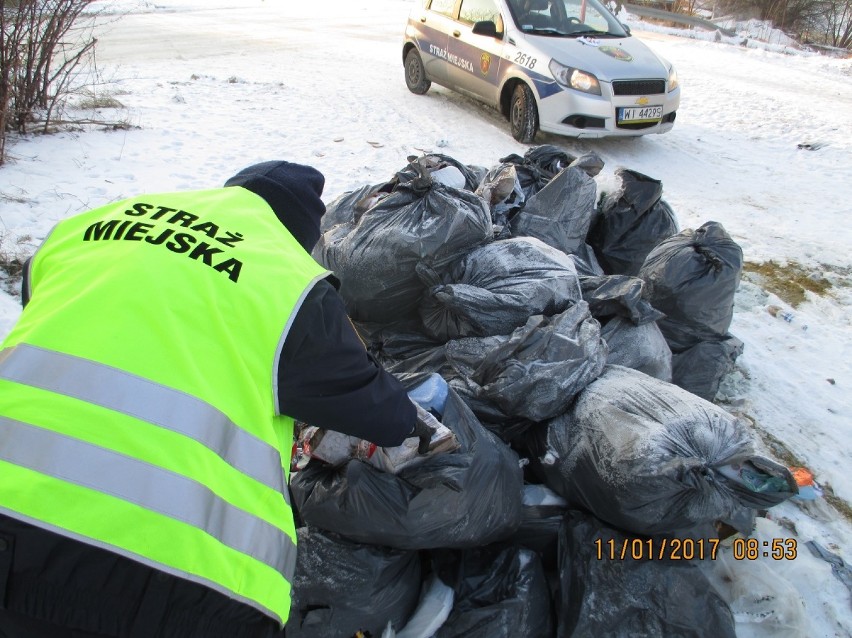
<point>147,399</point>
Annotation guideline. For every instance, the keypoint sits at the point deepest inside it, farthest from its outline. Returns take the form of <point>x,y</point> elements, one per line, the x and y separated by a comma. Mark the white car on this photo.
<point>561,66</point>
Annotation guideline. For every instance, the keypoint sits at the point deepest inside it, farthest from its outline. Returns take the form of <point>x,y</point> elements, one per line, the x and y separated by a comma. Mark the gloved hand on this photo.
<point>424,428</point>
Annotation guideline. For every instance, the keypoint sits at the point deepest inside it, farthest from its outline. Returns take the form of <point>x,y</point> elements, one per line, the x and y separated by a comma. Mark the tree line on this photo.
<point>821,22</point>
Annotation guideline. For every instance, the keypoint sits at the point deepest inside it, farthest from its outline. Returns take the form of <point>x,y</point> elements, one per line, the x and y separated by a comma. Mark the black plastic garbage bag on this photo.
<point>496,287</point>
<point>498,593</point>
<point>618,296</point>
<point>548,158</point>
<point>435,161</point>
<point>605,595</point>
<point>534,372</point>
<point>586,262</point>
<point>465,498</point>
<point>630,222</point>
<point>401,348</point>
<point>651,458</point>
<point>692,278</point>
<point>560,213</point>
<point>701,368</point>
<point>346,207</point>
<point>542,514</point>
<point>377,255</point>
<point>340,587</point>
<point>642,348</point>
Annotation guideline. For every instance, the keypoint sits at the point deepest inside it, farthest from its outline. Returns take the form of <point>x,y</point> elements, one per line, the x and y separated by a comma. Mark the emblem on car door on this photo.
<point>485,63</point>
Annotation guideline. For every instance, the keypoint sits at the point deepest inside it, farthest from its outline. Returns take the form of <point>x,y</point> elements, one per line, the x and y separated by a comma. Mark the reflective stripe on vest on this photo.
<point>145,400</point>
<point>146,485</point>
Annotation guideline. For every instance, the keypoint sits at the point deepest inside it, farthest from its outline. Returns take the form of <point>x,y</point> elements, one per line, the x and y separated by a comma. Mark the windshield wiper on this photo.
<point>544,31</point>
<point>595,32</point>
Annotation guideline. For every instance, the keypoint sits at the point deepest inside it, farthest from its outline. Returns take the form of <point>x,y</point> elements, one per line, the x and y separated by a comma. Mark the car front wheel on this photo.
<point>523,114</point>
<point>415,74</point>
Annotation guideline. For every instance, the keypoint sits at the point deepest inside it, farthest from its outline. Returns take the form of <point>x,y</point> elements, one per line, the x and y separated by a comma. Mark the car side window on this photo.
<point>480,10</point>
<point>444,7</point>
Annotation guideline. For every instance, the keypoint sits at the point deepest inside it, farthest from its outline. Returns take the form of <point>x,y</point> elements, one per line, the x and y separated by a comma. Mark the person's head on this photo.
<point>293,191</point>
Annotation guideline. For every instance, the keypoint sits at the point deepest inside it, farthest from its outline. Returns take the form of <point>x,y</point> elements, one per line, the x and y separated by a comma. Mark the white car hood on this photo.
<point>607,58</point>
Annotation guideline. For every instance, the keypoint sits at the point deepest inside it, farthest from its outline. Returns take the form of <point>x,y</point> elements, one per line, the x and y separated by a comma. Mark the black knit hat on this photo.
<point>293,191</point>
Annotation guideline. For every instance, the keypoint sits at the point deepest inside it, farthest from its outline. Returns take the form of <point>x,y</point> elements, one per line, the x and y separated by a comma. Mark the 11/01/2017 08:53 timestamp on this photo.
<point>689,548</point>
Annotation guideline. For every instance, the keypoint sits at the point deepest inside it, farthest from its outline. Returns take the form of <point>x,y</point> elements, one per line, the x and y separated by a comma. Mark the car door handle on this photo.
<point>423,19</point>
<point>457,33</point>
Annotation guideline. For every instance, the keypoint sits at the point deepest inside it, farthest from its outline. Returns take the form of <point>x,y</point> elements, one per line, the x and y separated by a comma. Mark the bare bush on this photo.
<point>44,47</point>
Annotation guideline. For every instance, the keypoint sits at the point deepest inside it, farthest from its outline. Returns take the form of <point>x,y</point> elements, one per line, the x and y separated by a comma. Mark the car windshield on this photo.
<point>566,18</point>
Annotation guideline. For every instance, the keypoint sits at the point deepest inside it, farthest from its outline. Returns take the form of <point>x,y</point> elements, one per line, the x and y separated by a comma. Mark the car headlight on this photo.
<point>673,83</point>
<point>575,78</point>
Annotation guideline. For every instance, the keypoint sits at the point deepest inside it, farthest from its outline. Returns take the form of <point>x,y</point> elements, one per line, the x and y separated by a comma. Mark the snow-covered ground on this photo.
<point>762,144</point>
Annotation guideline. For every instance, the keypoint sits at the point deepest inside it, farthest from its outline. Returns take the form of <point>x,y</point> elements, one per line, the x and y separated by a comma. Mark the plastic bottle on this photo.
<point>431,394</point>
<point>778,311</point>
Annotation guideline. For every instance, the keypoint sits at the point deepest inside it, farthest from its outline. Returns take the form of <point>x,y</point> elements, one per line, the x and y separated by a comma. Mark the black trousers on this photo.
<point>56,587</point>
<point>14,625</point>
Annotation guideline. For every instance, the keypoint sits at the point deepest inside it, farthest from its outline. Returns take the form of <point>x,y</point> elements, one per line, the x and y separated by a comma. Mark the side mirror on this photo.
<point>487,28</point>
<point>626,28</point>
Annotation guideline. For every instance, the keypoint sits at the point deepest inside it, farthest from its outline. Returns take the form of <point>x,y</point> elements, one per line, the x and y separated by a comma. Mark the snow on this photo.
<point>762,144</point>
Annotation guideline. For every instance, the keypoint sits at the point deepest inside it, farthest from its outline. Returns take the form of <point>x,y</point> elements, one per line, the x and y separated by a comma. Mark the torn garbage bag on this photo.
<point>602,594</point>
<point>692,278</point>
<point>336,448</point>
<point>534,372</point>
<point>499,593</point>
<point>541,163</point>
<point>501,189</point>
<point>436,603</point>
<point>341,588</point>
<point>560,213</point>
<point>630,222</point>
<point>532,178</point>
<point>464,498</point>
<point>590,163</point>
<point>376,256</point>
<point>437,161</point>
<point>651,458</point>
<point>496,287</point>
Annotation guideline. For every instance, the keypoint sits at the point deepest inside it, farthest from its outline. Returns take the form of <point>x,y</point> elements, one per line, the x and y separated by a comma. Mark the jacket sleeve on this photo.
<point>326,377</point>
<point>25,282</point>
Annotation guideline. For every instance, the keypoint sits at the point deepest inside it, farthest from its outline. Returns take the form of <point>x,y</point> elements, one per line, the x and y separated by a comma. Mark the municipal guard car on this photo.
<point>561,66</point>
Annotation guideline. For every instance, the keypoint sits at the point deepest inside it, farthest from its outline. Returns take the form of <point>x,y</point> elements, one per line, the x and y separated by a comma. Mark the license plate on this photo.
<point>640,114</point>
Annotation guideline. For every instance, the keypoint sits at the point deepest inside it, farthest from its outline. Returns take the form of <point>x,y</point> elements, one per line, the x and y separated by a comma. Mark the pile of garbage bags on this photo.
<point>572,341</point>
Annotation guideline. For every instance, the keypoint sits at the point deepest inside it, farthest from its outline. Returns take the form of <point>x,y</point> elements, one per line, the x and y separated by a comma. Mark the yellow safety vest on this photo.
<point>138,390</point>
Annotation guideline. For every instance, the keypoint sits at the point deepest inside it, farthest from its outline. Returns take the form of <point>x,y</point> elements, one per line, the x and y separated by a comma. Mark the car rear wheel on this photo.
<point>523,114</point>
<point>415,74</point>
